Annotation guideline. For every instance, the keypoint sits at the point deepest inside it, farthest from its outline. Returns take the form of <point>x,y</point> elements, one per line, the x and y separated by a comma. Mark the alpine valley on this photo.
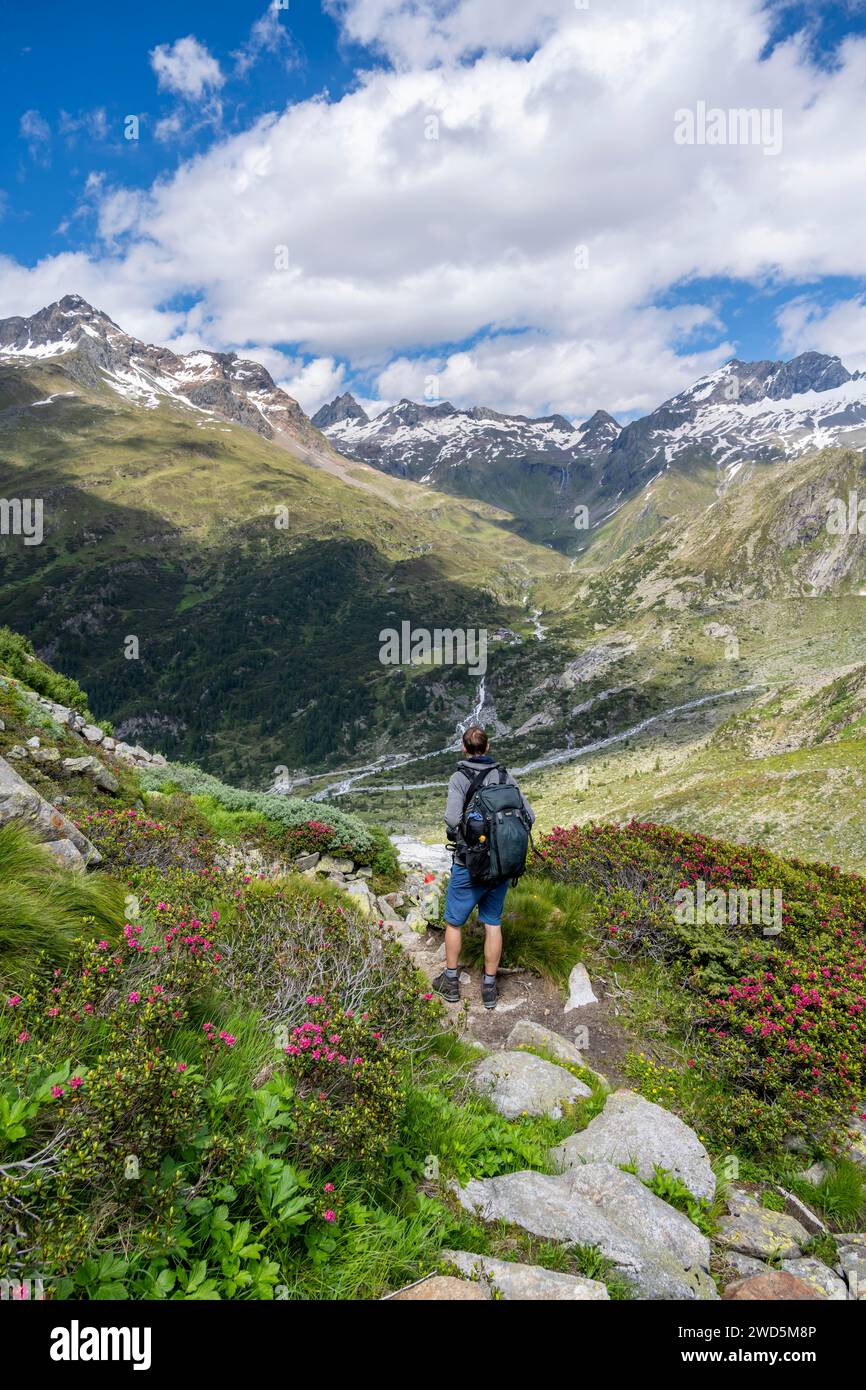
<point>674,630</point>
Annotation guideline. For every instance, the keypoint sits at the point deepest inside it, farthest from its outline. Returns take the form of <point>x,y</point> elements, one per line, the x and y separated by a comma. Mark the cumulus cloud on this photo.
<point>186,68</point>
<point>838,329</point>
<point>503,205</point>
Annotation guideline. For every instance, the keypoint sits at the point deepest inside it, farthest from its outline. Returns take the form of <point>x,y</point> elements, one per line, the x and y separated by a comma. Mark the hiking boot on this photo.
<point>448,988</point>
<point>489,994</point>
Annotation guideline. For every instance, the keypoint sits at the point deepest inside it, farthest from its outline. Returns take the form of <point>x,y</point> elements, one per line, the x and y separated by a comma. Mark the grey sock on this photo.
<point>490,979</point>
<point>451,974</point>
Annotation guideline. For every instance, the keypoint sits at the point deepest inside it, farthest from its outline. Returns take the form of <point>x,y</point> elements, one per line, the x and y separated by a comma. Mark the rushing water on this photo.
<point>556,756</point>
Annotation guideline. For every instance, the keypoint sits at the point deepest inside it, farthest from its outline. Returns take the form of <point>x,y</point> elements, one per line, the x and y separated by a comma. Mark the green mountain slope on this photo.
<point>258,642</point>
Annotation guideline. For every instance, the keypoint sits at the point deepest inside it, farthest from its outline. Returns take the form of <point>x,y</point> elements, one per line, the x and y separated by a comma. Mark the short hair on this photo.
<point>475,740</point>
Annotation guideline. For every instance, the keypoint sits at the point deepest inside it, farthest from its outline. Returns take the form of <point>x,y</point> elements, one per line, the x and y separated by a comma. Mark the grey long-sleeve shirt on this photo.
<point>459,785</point>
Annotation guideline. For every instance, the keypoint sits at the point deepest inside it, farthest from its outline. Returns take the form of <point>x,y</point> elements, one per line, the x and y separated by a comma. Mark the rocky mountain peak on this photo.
<point>96,353</point>
<point>343,407</point>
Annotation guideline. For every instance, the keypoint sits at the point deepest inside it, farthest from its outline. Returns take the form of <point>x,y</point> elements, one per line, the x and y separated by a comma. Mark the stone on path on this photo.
<point>632,1130</point>
<point>754,1230</point>
<point>523,1282</point>
<point>517,1083</point>
<point>580,991</point>
<point>777,1286</point>
<point>654,1247</point>
<point>529,1034</point>
<point>443,1287</point>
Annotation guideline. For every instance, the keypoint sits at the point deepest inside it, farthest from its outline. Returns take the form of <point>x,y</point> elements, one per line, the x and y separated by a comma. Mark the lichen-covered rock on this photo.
<point>754,1230</point>
<point>328,865</point>
<point>632,1130</point>
<point>517,1083</point>
<point>819,1277</point>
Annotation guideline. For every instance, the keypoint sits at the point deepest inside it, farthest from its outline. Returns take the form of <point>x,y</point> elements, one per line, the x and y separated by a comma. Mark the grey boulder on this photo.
<point>819,1277</point>
<point>517,1083</point>
<point>631,1130</point>
<point>19,801</point>
<point>653,1246</point>
<point>526,1282</point>
<point>754,1230</point>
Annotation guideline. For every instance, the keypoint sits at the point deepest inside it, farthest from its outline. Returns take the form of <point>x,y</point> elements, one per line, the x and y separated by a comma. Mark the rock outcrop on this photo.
<point>631,1130</point>
<point>653,1246</point>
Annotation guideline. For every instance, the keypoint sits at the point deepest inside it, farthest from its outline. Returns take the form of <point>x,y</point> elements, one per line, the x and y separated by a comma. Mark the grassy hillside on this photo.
<point>258,644</point>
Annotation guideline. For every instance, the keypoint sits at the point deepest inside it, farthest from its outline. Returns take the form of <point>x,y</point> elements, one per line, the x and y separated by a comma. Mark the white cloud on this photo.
<point>93,123</point>
<point>313,383</point>
<point>267,35</point>
<point>36,131</point>
<point>560,135</point>
<point>839,329</point>
<point>186,68</point>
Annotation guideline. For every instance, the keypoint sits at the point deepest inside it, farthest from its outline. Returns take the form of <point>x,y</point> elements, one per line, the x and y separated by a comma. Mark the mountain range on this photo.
<point>256,556</point>
<point>543,469</point>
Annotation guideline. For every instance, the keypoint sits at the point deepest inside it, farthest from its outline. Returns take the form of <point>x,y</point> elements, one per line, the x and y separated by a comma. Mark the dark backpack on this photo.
<point>494,828</point>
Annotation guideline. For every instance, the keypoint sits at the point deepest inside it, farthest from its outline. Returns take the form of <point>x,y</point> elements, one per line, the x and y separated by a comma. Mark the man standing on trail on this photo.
<point>488,822</point>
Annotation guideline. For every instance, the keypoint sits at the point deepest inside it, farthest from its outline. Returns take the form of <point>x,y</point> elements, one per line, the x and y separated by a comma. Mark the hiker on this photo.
<point>488,822</point>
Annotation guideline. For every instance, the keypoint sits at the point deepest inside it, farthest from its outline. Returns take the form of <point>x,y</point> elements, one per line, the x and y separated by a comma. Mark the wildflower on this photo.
<point>76,1081</point>
<point>23,1036</point>
<point>57,1092</point>
<point>329,1215</point>
<point>13,1001</point>
<point>329,1187</point>
<point>134,996</point>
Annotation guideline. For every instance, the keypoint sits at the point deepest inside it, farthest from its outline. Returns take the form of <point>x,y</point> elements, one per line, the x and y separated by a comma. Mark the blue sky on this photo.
<point>441,264</point>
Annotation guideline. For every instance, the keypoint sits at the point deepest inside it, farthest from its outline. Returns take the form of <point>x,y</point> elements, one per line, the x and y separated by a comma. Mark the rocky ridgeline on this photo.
<point>20,801</point>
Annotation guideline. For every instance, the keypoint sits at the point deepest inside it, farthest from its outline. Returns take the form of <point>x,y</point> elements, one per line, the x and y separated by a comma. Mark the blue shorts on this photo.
<point>465,892</point>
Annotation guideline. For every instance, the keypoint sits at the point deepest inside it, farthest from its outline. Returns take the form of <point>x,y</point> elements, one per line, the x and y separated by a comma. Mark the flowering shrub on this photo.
<point>131,838</point>
<point>782,1019</point>
<point>348,1083</point>
<point>121,1095</point>
<point>290,943</point>
<point>309,838</point>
